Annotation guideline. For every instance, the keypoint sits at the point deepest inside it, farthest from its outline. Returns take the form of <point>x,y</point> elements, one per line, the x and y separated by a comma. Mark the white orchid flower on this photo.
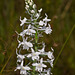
<point>28,31</point>
<point>41,50</point>
<point>46,20</point>
<point>39,66</point>
<point>23,21</point>
<point>41,23</point>
<point>48,72</point>
<point>50,55</point>
<point>48,30</point>
<point>23,69</point>
<point>30,3</point>
<point>34,55</point>
<point>40,10</point>
<point>34,6</point>
<point>37,15</point>
<point>32,11</point>
<point>51,63</point>
<point>25,44</point>
<point>20,57</point>
<point>27,6</point>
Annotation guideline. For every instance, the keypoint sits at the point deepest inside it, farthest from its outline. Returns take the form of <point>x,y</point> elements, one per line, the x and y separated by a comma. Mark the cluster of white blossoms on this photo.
<point>32,58</point>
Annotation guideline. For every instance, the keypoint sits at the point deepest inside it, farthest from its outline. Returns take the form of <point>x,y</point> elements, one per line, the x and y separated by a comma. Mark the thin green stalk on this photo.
<point>36,40</point>
<point>6,62</point>
<point>64,45</point>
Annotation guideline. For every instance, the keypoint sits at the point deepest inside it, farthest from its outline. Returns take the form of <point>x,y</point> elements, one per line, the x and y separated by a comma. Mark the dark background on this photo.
<point>62,13</point>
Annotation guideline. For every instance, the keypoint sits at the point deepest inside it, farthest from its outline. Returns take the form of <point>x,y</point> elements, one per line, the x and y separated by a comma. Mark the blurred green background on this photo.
<point>62,13</point>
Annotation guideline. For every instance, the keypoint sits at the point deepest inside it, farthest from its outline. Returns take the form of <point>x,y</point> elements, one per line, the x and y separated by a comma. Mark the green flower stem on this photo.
<point>64,45</point>
<point>36,41</point>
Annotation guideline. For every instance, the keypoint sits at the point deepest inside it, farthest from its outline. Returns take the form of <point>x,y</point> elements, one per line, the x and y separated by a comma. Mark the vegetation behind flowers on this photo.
<point>62,14</point>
